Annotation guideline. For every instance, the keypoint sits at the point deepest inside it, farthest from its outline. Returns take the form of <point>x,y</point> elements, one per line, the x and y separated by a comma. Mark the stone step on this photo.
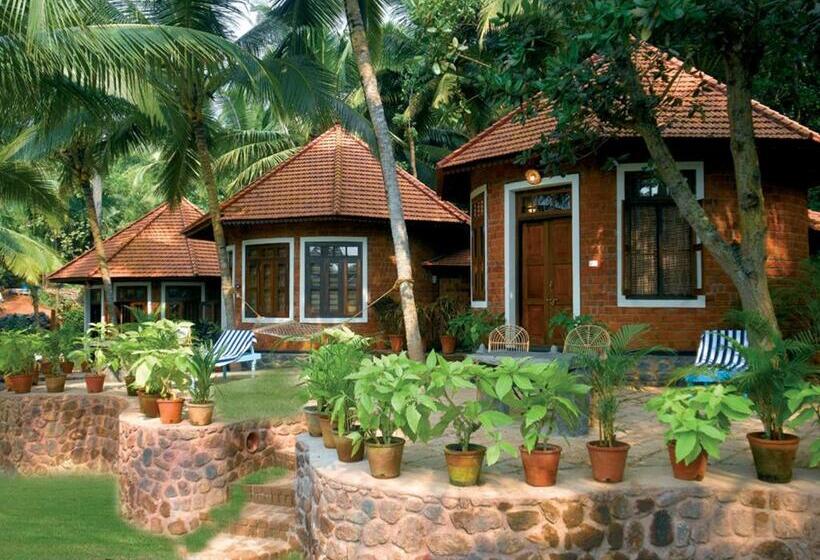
<point>264,521</point>
<point>234,547</point>
<point>279,492</point>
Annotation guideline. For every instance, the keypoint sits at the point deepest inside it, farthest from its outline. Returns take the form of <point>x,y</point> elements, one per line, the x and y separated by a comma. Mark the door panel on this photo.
<point>533,274</point>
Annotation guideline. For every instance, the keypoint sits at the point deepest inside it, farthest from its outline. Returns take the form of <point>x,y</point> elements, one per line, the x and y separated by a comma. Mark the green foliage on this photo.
<point>202,363</point>
<point>699,418</point>
<point>440,312</point>
<point>16,322</point>
<point>609,374</point>
<point>566,321</point>
<point>158,355</point>
<point>472,327</point>
<point>804,404</point>
<point>774,371</point>
<point>389,315</point>
<point>325,373</point>
<point>541,393</point>
<point>796,298</point>
<point>17,350</point>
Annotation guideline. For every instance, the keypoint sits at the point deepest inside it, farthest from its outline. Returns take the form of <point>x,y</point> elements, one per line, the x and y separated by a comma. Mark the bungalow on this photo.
<point>310,241</point>
<point>153,267</point>
<point>609,242</point>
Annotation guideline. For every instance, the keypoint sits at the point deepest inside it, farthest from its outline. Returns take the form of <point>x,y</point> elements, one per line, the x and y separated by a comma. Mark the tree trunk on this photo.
<point>35,306</point>
<point>411,147</point>
<point>99,248</point>
<point>215,212</point>
<point>401,244</point>
<point>97,189</point>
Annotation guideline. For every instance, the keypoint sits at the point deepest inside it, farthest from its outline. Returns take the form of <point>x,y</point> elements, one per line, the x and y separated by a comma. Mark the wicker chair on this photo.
<point>509,337</point>
<point>586,339</point>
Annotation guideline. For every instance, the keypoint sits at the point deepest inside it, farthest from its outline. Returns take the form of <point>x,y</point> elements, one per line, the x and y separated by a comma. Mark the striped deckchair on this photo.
<point>716,352</point>
<point>236,346</point>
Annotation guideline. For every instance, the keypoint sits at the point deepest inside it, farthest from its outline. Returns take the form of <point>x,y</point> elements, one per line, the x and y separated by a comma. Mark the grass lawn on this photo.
<point>70,517</point>
<point>272,393</point>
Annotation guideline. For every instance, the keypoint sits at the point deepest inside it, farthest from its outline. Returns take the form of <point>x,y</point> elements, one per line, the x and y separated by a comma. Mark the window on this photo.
<point>266,284</point>
<point>659,247</point>
<point>478,247</point>
<point>129,298</point>
<point>334,279</point>
<point>95,305</point>
<point>183,302</point>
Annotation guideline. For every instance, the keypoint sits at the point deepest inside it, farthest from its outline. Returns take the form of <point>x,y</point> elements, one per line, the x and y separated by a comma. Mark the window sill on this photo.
<point>332,320</point>
<point>478,304</point>
<point>266,319</point>
<point>690,303</point>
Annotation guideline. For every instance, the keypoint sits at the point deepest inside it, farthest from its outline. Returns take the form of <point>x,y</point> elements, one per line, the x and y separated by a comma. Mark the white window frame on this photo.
<point>149,305</point>
<point>362,318</point>
<point>511,241</point>
<point>474,303</point>
<point>231,250</point>
<point>87,304</point>
<point>268,241</point>
<point>167,283</point>
<point>697,302</point>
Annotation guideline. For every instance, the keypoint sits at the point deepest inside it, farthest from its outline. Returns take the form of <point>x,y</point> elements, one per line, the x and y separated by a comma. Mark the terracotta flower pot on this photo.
<point>327,431</point>
<point>19,383</point>
<point>312,420</point>
<point>94,383</point>
<point>55,383</point>
<point>148,404</point>
<point>384,458</point>
<point>45,368</point>
<point>608,463</point>
<point>344,449</point>
<point>66,367</point>
<point>773,458</point>
<point>200,414</point>
<point>448,344</point>
<point>540,464</point>
<point>170,410</point>
<point>130,390</point>
<point>464,467</point>
<point>396,342</point>
<point>695,470</point>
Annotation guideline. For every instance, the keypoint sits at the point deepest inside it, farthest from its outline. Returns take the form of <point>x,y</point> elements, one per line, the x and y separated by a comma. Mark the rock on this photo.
<point>550,511</point>
<point>476,520</point>
<point>754,498</point>
<point>773,550</point>
<point>620,508</point>
<point>682,533</point>
<point>347,532</point>
<point>390,510</point>
<point>647,555</point>
<point>786,525</point>
<point>434,513</point>
<point>692,508</point>
<point>615,535</point>
<point>177,527</point>
<point>660,531</point>
<point>522,520</point>
<point>586,537</point>
<point>511,543</point>
<point>644,506</point>
<point>573,514</point>
<point>376,532</point>
<point>742,521</point>
<point>600,514</point>
<point>634,536</point>
<point>411,533</point>
<point>448,543</point>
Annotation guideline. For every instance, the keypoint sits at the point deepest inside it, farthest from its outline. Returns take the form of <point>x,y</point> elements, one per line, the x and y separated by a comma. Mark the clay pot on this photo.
<point>55,383</point>
<point>130,390</point>
<point>45,368</point>
<point>200,414</point>
<point>608,463</point>
<point>774,458</point>
<point>148,404</point>
<point>384,458</point>
<point>344,449</point>
<point>327,431</point>
<point>66,367</point>
<point>94,383</point>
<point>84,366</point>
<point>170,410</point>
<point>448,344</point>
<point>312,420</point>
<point>464,467</point>
<point>19,383</point>
<point>540,464</point>
<point>695,470</point>
<point>396,342</point>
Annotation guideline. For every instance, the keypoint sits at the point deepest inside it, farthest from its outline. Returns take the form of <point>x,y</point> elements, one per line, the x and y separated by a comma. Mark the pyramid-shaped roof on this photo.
<point>334,175</point>
<point>151,247</point>
<point>699,112</point>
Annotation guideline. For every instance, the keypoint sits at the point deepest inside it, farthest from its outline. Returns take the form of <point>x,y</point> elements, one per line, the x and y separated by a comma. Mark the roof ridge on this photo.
<point>415,182</point>
<point>337,171</point>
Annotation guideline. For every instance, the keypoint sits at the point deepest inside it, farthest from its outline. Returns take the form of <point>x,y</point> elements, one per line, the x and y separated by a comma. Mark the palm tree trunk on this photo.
<point>411,147</point>
<point>401,243</point>
<point>35,306</point>
<point>99,248</point>
<point>214,210</point>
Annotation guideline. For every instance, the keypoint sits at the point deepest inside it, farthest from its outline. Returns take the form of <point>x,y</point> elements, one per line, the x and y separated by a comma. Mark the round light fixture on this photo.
<point>532,176</point>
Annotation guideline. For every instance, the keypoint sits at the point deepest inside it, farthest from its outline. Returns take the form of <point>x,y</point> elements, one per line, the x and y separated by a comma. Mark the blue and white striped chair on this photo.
<point>716,352</point>
<point>236,346</point>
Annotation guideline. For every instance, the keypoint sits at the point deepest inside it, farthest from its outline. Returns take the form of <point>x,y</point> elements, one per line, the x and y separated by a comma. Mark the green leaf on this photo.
<point>686,442</point>
<point>494,418</point>
<point>503,385</point>
<point>534,414</point>
<point>493,454</point>
<point>413,417</point>
<point>522,381</point>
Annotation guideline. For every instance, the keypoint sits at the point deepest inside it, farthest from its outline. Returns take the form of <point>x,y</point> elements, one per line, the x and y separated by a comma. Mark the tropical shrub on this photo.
<point>440,313</point>
<point>201,365</point>
<point>17,351</point>
<point>472,327</point>
<point>698,418</point>
<point>566,321</point>
<point>325,373</point>
<point>804,403</point>
<point>389,315</point>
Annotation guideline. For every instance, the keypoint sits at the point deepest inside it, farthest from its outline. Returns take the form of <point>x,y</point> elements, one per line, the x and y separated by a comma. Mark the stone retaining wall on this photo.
<point>171,475</point>
<point>344,513</point>
<point>44,433</point>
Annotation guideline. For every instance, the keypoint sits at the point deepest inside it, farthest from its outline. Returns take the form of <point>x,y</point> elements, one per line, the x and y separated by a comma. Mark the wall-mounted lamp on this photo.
<point>532,176</point>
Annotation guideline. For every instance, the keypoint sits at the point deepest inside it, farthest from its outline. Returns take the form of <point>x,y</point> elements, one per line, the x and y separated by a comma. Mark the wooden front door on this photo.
<point>545,257</point>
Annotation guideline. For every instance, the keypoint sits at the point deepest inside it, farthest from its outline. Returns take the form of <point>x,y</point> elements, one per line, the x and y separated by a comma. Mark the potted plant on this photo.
<point>93,359</point>
<point>391,318</point>
<point>55,378</point>
<point>698,419</point>
<point>389,394</point>
<point>608,375</point>
<point>343,419</point>
<point>17,350</point>
<point>441,312</point>
<point>202,363</point>
<point>542,394</point>
<point>168,369</point>
<point>473,328</point>
<point>464,458</point>
<point>774,370</point>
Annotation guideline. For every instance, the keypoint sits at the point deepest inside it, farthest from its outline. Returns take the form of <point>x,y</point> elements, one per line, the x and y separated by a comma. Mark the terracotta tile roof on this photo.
<point>151,247</point>
<point>333,175</point>
<point>814,220</point>
<point>701,113</point>
<point>459,258</point>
